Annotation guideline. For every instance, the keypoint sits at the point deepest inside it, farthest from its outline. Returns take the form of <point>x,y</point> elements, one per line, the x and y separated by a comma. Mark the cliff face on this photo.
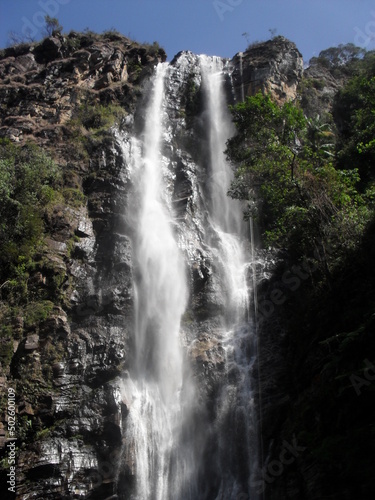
<point>67,368</point>
<point>43,84</point>
<point>70,419</point>
<point>273,67</point>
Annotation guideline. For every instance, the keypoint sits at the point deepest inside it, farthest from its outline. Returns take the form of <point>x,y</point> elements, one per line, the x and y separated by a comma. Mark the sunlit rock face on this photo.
<point>273,67</point>
<point>132,375</point>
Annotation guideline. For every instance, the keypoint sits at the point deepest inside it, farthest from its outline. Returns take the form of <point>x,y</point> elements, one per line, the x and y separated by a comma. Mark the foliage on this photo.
<point>286,171</point>
<point>191,97</point>
<point>15,39</point>
<point>341,55</point>
<point>73,42</point>
<point>309,83</point>
<point>6,343</point>
<point>354,112</point>
<point>313,195</point>
<point>28,183</point>
<point>153,48</point>
<point>112,34</point>
<point>97,118</point>
<point>134,70</point>
<point>36,312</point>
<point>263,152</point>
<point>320,136</point>
<point>51,27</point>
<point>73,197</point>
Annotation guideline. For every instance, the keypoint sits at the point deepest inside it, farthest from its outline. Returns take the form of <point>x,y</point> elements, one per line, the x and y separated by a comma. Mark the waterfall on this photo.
<point>235,406</point>
<point>176,444</point>
<point>225,213</point>
<point>161,288</point>
<point>153,390</point>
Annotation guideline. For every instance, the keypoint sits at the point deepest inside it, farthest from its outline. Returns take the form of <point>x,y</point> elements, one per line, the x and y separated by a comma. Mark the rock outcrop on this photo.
<point>318,88</point>
<point>65,368</point>
<point>273,67</point>
<point>44,84</point>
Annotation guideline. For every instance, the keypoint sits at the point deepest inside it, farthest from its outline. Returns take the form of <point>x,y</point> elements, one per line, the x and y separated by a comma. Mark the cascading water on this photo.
<point>225,214</point>
<point>165,446</point>
<point>235,405</point>
<point>154,389</point>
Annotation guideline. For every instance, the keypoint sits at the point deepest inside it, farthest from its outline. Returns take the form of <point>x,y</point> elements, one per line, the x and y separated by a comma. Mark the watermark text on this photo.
<point>11,445</point>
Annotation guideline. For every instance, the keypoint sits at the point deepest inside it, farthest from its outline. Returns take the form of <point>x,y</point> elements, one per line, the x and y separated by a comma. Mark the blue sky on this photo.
<point>214,27</point>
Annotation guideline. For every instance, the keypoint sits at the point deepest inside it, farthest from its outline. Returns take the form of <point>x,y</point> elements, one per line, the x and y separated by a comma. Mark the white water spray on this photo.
<point>225,213</point>
<point>236,403</point>
<point>153,391</point>
<point>161,447</point>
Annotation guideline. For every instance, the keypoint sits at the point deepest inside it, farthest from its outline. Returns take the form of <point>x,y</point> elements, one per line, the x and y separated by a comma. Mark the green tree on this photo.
<point>320,136</point>
<point>341,55</point>
<point>264,151</point>
<point>354,113</point>
<point>302,202</point>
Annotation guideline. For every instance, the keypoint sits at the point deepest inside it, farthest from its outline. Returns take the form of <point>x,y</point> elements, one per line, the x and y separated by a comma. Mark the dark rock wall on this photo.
<point>72,443</point>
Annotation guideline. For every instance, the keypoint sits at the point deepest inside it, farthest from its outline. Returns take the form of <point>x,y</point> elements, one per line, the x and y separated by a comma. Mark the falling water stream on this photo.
<point>155,386</point>
<point>225,213</point>
<point>159,395</point>
<point>235,405</point>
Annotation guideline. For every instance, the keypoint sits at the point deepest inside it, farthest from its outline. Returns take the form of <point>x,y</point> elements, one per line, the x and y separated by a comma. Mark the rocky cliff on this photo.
<point>274,67</point>
<point>80,97</point>
<point>64,367</point>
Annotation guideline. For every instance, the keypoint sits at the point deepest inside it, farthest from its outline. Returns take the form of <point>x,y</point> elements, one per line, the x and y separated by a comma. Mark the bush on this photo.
<point>52,26</point>
<point>98,118</point>
<point>73,197</point>
<point>29,182</point>
<point>36,312</point>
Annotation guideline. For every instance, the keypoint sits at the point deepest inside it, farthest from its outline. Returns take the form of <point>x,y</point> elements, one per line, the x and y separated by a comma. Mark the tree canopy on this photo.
<point>354,113</point>
<point>286,169</point>
<point>341,55</point>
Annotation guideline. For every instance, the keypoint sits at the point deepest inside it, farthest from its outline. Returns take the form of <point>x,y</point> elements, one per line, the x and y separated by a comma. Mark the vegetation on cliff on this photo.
<point>288,175</point>
<point>29,182</point>
<point>59,99</point>
<point>310,182</point>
